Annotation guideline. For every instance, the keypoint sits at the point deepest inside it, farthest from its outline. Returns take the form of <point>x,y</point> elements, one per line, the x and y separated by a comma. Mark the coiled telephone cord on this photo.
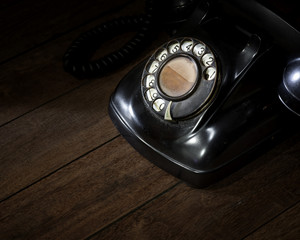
<point>77,58</point>
<point>77,61</point>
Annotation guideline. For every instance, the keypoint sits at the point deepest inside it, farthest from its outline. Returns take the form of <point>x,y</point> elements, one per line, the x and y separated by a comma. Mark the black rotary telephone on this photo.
<point>224,86</point>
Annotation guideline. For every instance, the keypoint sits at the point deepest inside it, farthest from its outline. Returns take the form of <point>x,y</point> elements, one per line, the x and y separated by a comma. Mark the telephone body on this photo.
<point>207,100</point>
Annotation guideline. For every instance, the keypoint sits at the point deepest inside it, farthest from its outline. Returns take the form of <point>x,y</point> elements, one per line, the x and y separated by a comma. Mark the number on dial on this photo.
<point>199,49</point>
<point>153,67</point>
<point>149,81</point>
<point>151,94</point>
<point>173,48</point>
<point>162,55</point>
<point>158,105</point>
<point>207,59</point>
<point>187,45</point>
<point>210,73</point>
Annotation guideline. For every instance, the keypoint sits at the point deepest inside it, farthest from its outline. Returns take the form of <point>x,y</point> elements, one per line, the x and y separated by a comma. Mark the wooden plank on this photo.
<point>55,134</point>
<point>230,209</point>
<point>59,131</point>
<point>84,196</point>
<point>26,24</point>
<point>285,226</point>
<point>38,76</point>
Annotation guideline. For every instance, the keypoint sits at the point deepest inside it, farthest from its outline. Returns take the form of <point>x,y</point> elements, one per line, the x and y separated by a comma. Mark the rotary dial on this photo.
<point>179,78</point>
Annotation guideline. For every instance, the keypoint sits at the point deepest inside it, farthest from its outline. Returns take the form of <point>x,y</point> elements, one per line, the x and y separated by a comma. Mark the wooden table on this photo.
<point>65,171</point>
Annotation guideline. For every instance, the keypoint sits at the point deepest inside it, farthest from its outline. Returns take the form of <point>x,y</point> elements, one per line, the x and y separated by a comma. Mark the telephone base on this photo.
<point>230,112</point>
<point>200,156</point>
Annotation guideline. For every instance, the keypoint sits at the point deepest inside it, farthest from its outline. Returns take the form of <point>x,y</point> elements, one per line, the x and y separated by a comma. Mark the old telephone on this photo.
<point>223,87</point>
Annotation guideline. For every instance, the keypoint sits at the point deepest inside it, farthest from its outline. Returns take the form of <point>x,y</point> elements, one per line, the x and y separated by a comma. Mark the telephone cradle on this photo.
<point>212,97</point>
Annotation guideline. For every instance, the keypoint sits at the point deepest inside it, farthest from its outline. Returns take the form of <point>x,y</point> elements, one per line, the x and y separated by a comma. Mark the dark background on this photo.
<point>66,173</point>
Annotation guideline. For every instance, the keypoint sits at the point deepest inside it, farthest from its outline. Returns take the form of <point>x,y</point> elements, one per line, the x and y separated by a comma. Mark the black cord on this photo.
<point>165,12</point>
<point>77,58</point>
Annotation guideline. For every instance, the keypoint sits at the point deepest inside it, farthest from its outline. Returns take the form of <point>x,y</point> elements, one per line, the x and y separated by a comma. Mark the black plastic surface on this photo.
<point>289,89</point>
<point>243,117</point>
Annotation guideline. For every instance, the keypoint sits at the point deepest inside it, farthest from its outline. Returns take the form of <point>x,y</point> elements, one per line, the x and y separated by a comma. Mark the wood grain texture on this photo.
<point>285,226</point>
<point>84,196</point>
<point>65,173</point>
<point>55,134</point>
<point>228,210</point>
<point>38,76</point>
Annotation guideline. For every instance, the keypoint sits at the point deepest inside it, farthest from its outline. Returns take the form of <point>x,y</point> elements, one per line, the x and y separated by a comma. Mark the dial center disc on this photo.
<point>178,76</point>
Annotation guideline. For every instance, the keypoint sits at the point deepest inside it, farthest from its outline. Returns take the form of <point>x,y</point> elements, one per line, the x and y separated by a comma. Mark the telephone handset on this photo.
<point>207,99</point>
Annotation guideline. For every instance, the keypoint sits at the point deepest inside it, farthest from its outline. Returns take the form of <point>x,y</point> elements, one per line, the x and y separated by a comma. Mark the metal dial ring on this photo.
<point>179,78</point>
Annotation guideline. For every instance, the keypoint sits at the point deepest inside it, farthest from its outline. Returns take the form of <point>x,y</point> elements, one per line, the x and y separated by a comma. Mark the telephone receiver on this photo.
<point>217,93</point>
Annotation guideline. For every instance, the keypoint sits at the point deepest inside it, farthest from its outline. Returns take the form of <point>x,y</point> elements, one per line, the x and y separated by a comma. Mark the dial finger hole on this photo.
<point>158,105</point>
<point>149,81</point>
<point>187,45</point>
<point>208,59</point>
<point>199,49</point>
<point>153,66</point>
<point>173,47</point>
<point>151,94</point>
<point>210,73</point>
<point>161,54</point>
